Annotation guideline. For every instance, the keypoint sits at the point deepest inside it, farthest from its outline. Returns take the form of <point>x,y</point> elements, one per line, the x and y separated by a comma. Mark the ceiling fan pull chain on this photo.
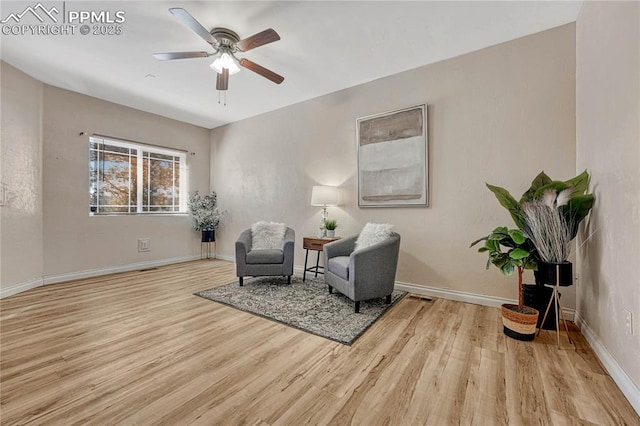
<point>222,94</point>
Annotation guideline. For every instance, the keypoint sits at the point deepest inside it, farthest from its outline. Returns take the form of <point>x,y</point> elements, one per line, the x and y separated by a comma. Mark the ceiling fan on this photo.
<point>226,44</point>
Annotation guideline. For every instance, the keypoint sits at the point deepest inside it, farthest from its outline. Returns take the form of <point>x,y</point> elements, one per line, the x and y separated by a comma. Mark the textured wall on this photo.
<point>498,115</point>
<point>21,239</point>
<point>75,241</point>
<point>608,144</point>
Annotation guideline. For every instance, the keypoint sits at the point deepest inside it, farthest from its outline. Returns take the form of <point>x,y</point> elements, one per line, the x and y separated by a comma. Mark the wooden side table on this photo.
<point>317,244</point>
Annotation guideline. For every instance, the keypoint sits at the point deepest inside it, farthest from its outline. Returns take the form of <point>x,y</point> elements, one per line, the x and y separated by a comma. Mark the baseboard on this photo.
<point>225,257</point>
<point>630,390</point>
<point>462,296</point>
<point>20,287</point>
<point>53,279</point>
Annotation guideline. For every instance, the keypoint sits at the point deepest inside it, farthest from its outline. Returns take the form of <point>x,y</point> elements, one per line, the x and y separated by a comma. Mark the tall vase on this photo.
<point>208,236</point>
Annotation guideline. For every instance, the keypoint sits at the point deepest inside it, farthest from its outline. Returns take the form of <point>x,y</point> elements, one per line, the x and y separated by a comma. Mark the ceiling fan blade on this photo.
<point>258,69</point>
<point>179,55</point>
<point>191,22</point>
<point>257,40</point>
<point>222,81</point>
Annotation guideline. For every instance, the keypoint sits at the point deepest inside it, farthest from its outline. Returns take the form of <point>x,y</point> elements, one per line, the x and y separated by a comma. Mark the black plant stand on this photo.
<point>208,237</point>
<point>538,296</point>
<point>563,276</point>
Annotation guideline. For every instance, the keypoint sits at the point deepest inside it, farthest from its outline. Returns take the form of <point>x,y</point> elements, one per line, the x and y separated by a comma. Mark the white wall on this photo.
<point>499,115</point>
<point>608,144</point>
<point>21,238</point>
<point>75,242</point>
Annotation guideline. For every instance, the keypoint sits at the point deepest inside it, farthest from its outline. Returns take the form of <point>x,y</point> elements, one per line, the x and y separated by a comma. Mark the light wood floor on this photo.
<point>139,348</point>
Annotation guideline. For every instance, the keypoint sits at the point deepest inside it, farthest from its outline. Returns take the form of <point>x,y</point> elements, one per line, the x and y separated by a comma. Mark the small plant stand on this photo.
<point>555,299</point>
<point>208,238</point>
<point>205,250</point>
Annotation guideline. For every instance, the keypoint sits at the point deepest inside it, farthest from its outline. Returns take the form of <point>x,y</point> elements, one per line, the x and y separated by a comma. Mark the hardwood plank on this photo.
<point>140,348</point>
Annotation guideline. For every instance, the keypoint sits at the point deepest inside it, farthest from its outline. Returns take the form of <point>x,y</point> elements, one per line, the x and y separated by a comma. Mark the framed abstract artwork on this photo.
<point>393,158</point>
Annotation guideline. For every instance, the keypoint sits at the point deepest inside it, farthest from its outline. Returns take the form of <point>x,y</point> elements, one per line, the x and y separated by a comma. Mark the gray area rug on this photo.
<point>307,306</point>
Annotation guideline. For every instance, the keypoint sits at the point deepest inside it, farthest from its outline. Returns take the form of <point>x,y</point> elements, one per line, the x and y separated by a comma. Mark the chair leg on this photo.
<point>330,289</point>
<point>289,279</point>
<point>357,307</point>
<point>241,278</point>
<point>388,299</point>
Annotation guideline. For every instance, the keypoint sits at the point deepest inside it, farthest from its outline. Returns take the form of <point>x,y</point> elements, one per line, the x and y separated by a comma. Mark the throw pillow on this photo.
<point>267,235</point>
<point>373,233</point>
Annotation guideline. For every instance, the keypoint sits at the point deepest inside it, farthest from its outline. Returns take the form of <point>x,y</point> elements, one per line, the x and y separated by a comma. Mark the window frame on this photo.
<point>141,150</point>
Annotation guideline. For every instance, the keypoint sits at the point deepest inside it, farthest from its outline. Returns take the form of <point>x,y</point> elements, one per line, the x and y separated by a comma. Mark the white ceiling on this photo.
<point>324,47</point>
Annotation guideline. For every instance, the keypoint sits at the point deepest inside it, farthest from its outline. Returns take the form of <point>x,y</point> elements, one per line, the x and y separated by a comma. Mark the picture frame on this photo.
<point>393,166</point>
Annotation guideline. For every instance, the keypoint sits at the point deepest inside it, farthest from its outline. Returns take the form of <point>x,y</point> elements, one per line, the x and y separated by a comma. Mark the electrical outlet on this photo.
<point>628,321</point>
<point>144,244</point>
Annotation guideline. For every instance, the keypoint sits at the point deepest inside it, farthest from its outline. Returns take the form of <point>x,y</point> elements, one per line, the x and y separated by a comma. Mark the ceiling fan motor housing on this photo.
<point>226,38</point>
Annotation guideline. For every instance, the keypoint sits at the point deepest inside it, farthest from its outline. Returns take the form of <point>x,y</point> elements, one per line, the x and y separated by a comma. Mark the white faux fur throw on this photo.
<point>373,233</point>
<point>267,235</point>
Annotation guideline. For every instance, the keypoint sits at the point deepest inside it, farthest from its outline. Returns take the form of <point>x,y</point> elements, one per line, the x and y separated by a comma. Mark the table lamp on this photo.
<point>325,196</point>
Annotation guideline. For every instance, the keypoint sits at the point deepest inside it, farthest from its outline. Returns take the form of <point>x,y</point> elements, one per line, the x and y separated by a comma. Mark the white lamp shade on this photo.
<point>325,196</point>
<point>225,61</point>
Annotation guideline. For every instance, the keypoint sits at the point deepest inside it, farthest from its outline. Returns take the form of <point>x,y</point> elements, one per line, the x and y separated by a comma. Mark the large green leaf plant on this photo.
<point>574,211</point>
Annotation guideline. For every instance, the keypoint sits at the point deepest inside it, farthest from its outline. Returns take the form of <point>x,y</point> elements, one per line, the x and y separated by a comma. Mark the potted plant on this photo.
<point>573,204</point>
<point>205,215</point>
<point>510,250</point>
<point>330,225</point>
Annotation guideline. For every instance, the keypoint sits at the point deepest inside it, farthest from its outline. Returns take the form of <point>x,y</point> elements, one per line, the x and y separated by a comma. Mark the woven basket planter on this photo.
<point>519,325</point>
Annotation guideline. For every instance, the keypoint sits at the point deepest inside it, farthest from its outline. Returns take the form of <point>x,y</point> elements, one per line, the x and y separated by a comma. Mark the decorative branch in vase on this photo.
<point>550,231</point>
<point>205,215</point>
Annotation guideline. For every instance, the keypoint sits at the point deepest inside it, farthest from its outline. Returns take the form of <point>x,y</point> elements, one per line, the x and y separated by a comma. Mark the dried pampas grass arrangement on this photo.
<point>546,226</point>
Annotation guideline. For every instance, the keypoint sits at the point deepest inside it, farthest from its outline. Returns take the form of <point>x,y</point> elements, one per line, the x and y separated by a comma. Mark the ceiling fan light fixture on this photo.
<point>225,61</point>
<point>225,44</point>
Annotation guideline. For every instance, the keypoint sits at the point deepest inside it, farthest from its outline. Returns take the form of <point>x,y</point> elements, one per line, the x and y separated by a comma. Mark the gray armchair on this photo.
<point>264,262</point>
<point>363,274</point>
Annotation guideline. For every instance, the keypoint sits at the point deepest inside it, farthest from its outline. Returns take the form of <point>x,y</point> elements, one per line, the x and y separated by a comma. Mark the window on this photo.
<point>128,177</point>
